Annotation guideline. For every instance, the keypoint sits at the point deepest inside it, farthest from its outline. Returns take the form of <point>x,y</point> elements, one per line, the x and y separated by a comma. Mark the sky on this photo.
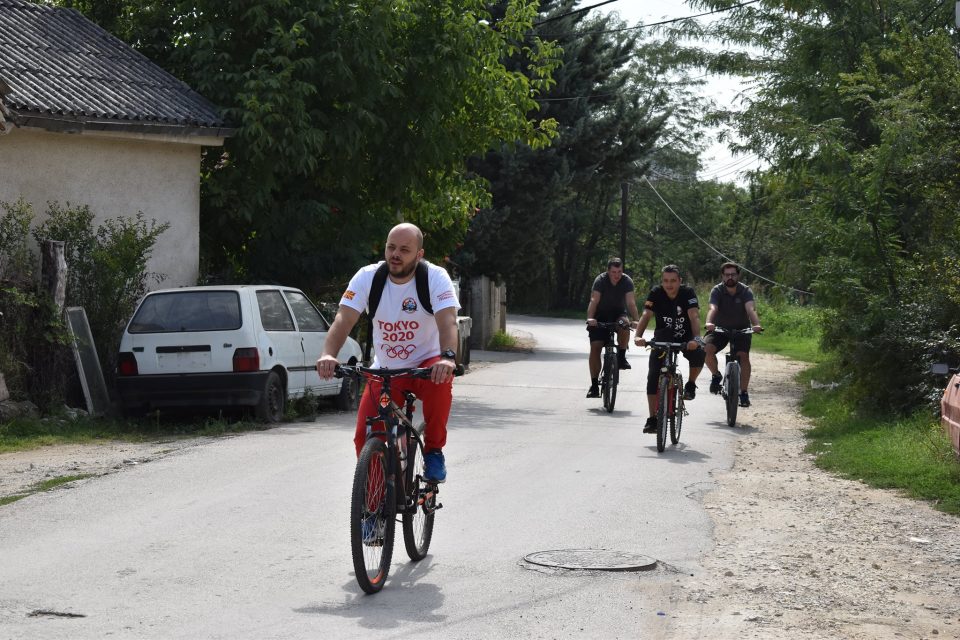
<point>718,162</point>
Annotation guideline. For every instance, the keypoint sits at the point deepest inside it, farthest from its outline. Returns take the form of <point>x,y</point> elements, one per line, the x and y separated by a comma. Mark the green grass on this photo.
<point>911,454</point>
<point>502,341</point>
<point>22,434</point>
<point>46,485</point>
<point>789,330</point>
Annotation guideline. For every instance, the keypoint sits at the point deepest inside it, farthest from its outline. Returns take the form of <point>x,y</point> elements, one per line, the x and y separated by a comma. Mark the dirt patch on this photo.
<point>22,471</point>
<point>803,554</point>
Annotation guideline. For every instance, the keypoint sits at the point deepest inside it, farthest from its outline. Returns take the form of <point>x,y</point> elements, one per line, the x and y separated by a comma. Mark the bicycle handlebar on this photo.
<point>677,346</point>
<point>617,324</point>
<point>747,331</point>
<point>407,372</point>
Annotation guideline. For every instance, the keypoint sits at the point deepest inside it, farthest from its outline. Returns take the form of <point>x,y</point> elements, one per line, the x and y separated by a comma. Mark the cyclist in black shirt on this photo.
<point>678,320</point>
<point>610,300</point>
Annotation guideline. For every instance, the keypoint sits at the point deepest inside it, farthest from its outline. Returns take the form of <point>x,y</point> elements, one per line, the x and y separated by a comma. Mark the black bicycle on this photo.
<point>670,409</point>
<point>610,364</point>
<point>388,480</point>
<point>730,389</point>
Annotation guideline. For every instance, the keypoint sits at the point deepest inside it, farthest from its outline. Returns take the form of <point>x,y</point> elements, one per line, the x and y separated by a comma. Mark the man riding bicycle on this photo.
<point>611,297</point>
<point>731,307</point>
<point>404,334</point>
<point>678,320</point>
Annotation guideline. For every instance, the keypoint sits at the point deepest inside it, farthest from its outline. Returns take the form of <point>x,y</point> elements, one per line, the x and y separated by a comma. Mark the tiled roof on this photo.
<point>59,70</point>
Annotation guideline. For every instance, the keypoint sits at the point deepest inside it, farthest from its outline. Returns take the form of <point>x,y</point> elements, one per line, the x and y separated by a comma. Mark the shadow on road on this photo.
<point>405,598</point>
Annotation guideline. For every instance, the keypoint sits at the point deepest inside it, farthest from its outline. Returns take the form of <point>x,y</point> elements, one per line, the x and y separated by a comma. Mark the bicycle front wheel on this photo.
<point>731,385</point>
<point>373,509</point>
<point>611,375</point>
<point>676,415</point>
<point>420,504</point>
<point>663,411</point>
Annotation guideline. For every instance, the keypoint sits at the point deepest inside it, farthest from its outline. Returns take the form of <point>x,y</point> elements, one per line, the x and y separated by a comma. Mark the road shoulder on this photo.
<point>803,554</point>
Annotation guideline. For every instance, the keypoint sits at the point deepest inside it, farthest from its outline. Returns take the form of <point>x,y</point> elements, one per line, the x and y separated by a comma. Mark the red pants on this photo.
<point>435,398</point>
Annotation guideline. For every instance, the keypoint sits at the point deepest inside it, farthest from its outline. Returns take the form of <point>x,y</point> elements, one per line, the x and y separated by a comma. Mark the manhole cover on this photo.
<point>592,560</point>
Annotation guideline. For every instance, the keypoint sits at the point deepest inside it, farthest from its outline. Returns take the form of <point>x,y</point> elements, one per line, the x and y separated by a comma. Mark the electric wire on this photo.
<point>714,249</point>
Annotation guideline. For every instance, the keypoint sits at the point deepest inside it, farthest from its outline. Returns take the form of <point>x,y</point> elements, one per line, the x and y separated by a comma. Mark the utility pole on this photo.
<point>624,193</point>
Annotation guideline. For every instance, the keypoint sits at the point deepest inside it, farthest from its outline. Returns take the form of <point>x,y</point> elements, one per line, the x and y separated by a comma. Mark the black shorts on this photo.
<point>741,341</point>
<point>600,335</point>
<point>695,358</point>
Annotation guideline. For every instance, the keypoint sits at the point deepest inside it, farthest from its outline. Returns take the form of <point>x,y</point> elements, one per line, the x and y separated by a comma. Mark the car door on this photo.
<point>313,334</point>
<point>277,323</point>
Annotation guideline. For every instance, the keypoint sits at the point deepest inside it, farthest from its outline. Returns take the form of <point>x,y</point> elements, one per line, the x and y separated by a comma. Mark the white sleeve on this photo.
<point>357,294</point>
<point>442,295</point>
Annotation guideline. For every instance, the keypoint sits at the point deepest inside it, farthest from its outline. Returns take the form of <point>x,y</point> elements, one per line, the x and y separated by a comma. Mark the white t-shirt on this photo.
<point>404,335</point>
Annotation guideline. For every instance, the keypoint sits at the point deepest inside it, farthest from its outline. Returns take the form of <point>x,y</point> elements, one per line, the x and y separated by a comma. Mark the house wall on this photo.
<point>115,176</point>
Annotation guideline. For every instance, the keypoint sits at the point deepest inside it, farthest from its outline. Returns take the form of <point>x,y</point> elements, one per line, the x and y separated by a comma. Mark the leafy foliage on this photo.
<point>348,116</point>
<point>107,268</point>
<point>555,214</point>
<point>855,113</point>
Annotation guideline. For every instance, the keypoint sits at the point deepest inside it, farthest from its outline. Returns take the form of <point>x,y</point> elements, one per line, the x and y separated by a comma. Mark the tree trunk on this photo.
<point>53,272</point>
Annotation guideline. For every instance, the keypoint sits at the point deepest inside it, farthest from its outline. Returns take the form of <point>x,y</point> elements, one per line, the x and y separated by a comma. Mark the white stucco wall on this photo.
<point>115,176</point>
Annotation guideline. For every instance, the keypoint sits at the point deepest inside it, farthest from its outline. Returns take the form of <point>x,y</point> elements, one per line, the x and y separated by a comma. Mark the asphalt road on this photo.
<point>247,537</point>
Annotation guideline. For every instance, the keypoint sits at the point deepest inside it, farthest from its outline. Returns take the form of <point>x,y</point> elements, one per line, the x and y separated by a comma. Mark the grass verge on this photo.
<point>911,454</point>
<point>46,485</point>
<point>22,434</point>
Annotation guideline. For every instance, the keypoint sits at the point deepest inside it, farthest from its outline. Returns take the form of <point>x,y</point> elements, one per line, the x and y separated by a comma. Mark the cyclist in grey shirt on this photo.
<point>731,307</point>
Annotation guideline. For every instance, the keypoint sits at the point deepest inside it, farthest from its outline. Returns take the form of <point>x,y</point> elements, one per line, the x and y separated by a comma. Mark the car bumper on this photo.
<point>192,390</point>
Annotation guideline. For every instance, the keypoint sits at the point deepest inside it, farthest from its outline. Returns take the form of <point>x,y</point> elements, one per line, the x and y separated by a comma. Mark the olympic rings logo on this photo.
<point>400,352</point>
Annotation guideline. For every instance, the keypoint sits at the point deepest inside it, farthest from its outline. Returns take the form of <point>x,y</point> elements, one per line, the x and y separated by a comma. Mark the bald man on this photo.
<point>404,335</point>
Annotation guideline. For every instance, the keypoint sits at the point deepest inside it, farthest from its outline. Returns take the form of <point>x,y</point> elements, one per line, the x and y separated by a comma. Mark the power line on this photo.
<point>639,26</point>
<point>714,249</point>
<point>574,12</point>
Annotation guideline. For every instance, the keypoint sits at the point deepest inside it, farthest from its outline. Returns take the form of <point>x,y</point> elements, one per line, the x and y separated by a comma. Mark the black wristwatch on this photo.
<point>449,353</point>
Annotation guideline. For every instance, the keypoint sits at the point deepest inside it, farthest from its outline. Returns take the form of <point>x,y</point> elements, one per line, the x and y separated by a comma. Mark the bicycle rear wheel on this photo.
<point>663,411</point>
<point>421,501</point>
<point>611,375</point>
<point>373,509</point>
<point>676,415</point>
<point>731,386</point>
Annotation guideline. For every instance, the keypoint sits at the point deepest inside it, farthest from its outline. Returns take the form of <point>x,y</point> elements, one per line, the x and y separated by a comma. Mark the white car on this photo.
<point>228,346</point>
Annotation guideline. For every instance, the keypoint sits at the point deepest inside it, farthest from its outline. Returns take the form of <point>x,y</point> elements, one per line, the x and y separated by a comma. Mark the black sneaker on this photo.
<point>594,391</point>
<point>623,364</point>
<point>689,391</point>
<point>715,383</point>
<point>650,426</point>
<point>744,399</point>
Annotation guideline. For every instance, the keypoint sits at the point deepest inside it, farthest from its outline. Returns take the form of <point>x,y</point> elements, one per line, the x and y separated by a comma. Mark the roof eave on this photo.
<point>78,125</point>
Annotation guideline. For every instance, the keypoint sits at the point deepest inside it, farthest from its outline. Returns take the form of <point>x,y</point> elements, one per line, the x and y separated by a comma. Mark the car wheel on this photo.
<point>349,397</point>
<point>273,399</point>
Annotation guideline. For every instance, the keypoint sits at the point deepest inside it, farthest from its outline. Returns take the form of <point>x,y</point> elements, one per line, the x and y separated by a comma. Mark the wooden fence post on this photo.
<point>53,272</point>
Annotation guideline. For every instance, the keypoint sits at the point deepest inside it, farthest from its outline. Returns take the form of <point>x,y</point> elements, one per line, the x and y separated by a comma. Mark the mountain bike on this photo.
<point>670,409</point>
<point>610,364</point>
<point>730,389</point>
<point>389,480</point>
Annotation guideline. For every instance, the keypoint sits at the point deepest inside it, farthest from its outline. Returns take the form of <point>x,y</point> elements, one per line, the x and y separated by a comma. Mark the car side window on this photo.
<point>274,314</point>
<point>308,318</point>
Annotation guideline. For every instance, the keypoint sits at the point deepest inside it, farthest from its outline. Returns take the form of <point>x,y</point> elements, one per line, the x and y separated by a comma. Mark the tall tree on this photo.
<point>855,115</point>
<point>348,115</point>
<point>555,209</point>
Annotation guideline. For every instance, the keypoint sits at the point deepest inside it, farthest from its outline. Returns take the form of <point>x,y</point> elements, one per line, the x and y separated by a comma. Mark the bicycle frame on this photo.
<point>609,369</point>
<point>731,374</point>
<point>397,427</point>
<point>670,409</point>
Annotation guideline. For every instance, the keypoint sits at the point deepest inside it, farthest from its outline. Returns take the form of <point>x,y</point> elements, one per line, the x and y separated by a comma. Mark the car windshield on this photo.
<point>187,311</point>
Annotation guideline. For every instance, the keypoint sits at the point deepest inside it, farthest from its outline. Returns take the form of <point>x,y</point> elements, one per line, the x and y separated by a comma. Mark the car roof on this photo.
<point>223,287</point>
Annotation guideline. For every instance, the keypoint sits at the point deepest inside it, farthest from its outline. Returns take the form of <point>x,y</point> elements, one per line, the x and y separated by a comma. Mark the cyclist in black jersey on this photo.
<point>677,312</point>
